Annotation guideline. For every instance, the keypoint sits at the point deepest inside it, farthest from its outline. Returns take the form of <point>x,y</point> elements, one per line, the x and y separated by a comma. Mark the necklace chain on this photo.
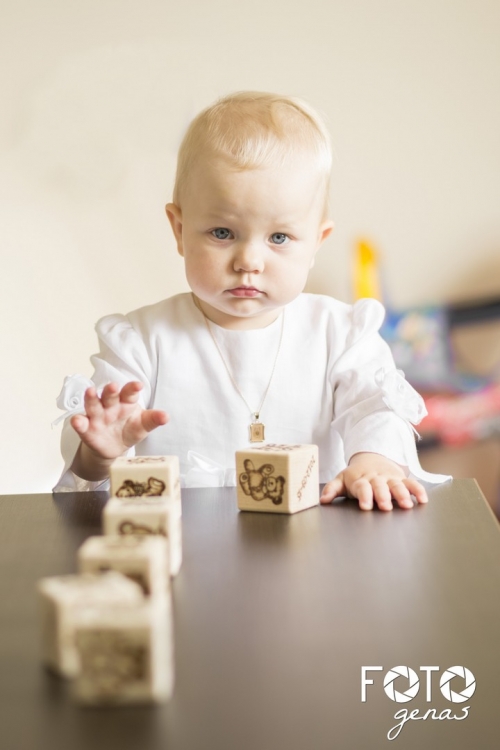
<point>255,414</point>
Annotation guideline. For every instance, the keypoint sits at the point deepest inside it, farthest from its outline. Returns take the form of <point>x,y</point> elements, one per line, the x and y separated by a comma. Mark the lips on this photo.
<point>244,291</point>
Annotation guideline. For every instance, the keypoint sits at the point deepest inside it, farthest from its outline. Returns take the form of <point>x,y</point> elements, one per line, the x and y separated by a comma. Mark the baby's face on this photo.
<point>249,238</point>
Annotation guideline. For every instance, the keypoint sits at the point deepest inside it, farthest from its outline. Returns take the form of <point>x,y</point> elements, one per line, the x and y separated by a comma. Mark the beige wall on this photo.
<point>95,97</point>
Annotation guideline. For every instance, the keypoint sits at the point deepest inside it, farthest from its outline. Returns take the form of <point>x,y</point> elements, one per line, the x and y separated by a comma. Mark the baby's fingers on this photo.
<point>416,489</point>
<point>382,493</point>
<point>141,423</point>
<point>400,493</point>
<point>129,394</point>
<point>363,491</point>
<point>110,395</point>
<point>79,423</point>
<point>153,418</point>
<point>332,489</point>
<point>92,403</point>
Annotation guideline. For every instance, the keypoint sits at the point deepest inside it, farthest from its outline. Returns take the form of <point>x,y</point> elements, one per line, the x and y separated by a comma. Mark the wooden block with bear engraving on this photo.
<point>144,559</point>
<point>126,654</point>
<point>147,476</point>
<point>277,478</point>
<point>144,516</point>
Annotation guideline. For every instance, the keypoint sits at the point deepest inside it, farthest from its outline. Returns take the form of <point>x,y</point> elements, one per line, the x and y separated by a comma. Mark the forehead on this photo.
<point>287,190</point>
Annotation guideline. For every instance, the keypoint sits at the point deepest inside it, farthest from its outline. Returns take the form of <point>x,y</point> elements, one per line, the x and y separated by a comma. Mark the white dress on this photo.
<point>335,384</point>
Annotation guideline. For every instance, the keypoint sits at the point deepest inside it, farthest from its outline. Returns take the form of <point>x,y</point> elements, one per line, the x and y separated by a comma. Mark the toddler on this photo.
<point>246,356</point>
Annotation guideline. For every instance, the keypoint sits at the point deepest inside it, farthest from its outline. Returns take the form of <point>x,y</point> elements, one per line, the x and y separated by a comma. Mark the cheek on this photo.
<point>202,268</point>
<point>194,269</point>
<point>297,269</point>
<point>296,275</point>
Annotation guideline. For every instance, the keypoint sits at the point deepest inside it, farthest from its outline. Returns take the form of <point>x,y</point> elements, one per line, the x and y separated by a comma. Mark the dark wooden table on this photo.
<point>274,618</point>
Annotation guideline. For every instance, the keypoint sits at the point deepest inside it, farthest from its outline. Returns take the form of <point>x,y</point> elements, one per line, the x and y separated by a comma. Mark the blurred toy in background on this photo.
<point>367,275</point>
<point>462,405</point>
<point>462,418</point>
<point>420,346</point>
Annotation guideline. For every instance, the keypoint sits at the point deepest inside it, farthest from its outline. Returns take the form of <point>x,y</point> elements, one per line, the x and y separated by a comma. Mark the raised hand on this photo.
<point>111,425</point>
<point>374,479</point>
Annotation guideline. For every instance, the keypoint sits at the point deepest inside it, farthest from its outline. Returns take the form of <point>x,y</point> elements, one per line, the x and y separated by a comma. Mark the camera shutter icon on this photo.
<point>396,695</point>
<point>447,677</point>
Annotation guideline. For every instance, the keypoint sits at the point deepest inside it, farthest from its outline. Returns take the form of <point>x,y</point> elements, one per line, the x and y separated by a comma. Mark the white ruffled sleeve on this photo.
<point>122,357</point>
<point>374,406</point>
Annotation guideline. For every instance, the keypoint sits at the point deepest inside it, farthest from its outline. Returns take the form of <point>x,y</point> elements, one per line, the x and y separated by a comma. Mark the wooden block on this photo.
<point>126,655</point>
<point>143,516</point>
<point>277,478</point>
<point>144,559</point>
<point>147,476</point>
<point>60,600</point>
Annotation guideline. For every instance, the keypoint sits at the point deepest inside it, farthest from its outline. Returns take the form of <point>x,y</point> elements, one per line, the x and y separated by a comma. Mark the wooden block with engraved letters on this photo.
<point>277,478</point>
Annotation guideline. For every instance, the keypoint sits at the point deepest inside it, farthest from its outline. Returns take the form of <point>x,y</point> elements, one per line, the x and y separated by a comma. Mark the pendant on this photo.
<point>256,430</point>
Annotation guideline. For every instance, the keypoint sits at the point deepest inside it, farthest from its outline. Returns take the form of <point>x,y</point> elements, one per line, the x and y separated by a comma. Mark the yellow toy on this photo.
<point>366,274</point>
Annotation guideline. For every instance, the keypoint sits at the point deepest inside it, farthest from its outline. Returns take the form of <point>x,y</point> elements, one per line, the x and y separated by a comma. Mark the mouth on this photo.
<point>244,291</point>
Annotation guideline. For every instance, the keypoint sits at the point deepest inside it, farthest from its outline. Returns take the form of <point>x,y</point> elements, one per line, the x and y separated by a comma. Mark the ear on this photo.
<point>325,230</point>
<point>174,214</point>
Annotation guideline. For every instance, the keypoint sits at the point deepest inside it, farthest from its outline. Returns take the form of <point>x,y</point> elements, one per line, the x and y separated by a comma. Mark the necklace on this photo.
<point>256,429</point>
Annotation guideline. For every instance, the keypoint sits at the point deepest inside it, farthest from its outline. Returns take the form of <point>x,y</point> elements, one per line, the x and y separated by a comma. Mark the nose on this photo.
<point>248,258</point>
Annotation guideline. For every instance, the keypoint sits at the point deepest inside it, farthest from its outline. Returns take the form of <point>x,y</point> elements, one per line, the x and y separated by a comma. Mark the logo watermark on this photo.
<point>402,684</point>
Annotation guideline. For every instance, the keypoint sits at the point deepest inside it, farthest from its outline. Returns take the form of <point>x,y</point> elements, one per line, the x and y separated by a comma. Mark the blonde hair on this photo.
<point>252,129</point>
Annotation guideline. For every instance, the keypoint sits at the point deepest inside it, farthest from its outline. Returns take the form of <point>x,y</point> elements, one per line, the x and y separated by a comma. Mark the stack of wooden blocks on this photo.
<point>110,628</point>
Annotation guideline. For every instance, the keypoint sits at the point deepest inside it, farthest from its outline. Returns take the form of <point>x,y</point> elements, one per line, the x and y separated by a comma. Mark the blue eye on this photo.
<point>279,238</point>
<point>221,233</point>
